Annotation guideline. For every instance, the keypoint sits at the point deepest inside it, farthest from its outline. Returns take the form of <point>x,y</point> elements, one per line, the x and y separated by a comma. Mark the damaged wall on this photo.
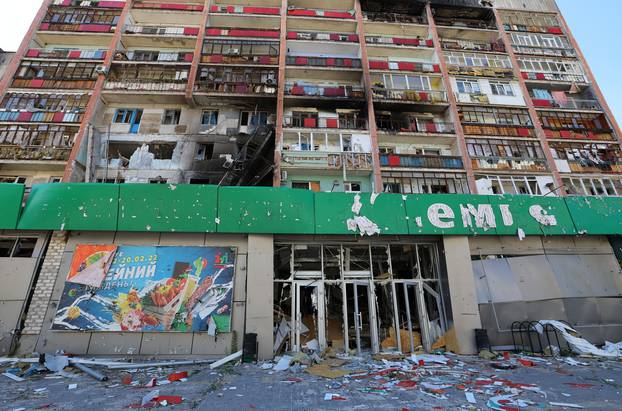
<point>164,344</point>
<point>574,279</point>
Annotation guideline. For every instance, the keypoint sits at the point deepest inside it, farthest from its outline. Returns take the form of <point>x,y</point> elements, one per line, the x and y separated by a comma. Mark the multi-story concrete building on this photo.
<point>401,97</point>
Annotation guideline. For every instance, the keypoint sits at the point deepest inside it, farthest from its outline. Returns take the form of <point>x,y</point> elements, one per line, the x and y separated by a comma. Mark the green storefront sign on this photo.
<point>265,210</point>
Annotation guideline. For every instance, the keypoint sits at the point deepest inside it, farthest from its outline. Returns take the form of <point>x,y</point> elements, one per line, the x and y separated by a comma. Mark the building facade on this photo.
<point>490,98</point>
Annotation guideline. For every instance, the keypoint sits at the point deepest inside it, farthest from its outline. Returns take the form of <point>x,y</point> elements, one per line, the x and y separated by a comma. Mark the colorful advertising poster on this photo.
<point>90,264</point>
<point>151,289</point>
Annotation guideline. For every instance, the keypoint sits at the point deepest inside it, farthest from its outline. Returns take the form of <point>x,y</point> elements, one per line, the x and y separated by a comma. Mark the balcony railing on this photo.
<point>67,54</point>
<point>36,153</point>
<point>574,78</point>
<point>478,71</point>
<point>498,130</point>
<point>570,104</point>
<point>534,29</point>
<point>40,116</point>
<point>236,88</point>
<point>169,6</point>
<point>324,62</point>
<point>330,160</point>
<point>472,98</point>
<point>156,56</point>
<point>212,32</point>
<point>147,85</point>
<point>304,35</point>
<point>79,27</point>
<point>336,123</point>
<point>238,59</point>
<point>509,163</point>
<point>333,14</point>
<point>472,46</point>
<point>393,18</point>
<point>413,96</point>
<point>544,51</point>
<point>62,83</point>
<point>404,66</point>
<point>464,23</point>
<point>223,9</point>
<point>590,166</point>
<point>163,31</point>
<point>602,135</point>
<point>323,91</point>
<point>90,3</point>
<point>396,126</point>
<point>421,161</point>
<point>398,41</point>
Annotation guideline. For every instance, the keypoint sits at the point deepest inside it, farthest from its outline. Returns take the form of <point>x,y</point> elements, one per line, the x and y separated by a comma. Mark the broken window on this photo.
<point>356,261</point>
<point>404,261</point>
<point>209,117</point>
<point>307,260</point>
<point>123,116</point>
<point>22,247</point>
<point>204,151</point>
<point>171,117</point>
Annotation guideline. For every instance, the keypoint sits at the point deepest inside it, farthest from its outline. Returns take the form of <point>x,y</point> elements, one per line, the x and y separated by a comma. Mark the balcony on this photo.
<point>476,98</point>
<point>338,92</point>
<point>397,126</point>
<point>168,6</point>
<point>478,71</point>
<point>153,56</point>
<point>312,36</point>
<point>470,45</point>
<point>139,78</point>
<point>33,153</point>
<point>501,130</point>
<point>398,41</point>
<point>579,134</point>
<point>15,116</point>
<point>545,51</point>
<point>64,83</point>
<point>531,28</point>
<point>509,164</point>
<point>393,18</point>
<point>327,160</point>
<point>162,31</point>
<point>64,54</point>
<point>162,85</point>
<point>325,123</point>
<point>332,14</point>
<point>236,88</point>
<point>410,96</point>
<point>420,161</point>
<point>240,52</point>
<point>224,9</point>
<point>565,77</point>
<point>333,62</point>
<point>567,104</point>
<point>224,32</point>
<point>404,66</point>
<point>90,4</point>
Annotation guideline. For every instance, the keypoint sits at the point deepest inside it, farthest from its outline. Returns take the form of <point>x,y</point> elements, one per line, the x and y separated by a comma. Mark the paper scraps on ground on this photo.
<point>283,363</point>
<point>151,396</point>
<point>13,377</point>
<point>577,344</point>
<point>178,376</point>
<point>429,358</point>
<point>227,359</point>
<point>565,405</point>
<point>470,397</point>
<point>72,386</point>
<point>333,397</point>
<point>325,371</point>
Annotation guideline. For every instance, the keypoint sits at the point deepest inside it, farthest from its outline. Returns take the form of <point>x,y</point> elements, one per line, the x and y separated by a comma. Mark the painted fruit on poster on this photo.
<point>149,289</point>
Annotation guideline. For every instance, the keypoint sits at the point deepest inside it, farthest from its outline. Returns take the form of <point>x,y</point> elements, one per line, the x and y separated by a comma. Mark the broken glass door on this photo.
<point>360,317</point>
<point>413,323</point>
<point>308,315</point>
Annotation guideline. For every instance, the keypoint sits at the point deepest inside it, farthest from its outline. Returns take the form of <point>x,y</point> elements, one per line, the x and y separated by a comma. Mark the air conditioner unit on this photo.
<point>284,175</point>
<point>271,81</point>
<point>101,70</point>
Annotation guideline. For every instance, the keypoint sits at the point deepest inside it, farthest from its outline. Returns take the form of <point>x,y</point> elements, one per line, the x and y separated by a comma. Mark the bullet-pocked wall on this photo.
<point>574,279</point>
<point>39,336</point>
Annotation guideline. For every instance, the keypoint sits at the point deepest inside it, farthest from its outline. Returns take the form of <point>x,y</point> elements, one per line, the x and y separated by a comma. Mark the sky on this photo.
<point>594,24</point>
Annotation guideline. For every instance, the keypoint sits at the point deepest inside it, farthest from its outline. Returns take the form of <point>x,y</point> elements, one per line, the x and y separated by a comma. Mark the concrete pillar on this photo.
<point>463,294</point>
<point>259,291</point>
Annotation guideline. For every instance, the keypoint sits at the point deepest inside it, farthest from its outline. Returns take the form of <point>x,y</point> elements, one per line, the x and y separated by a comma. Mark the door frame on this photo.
<point>320,333</point>
<point>372,314</point>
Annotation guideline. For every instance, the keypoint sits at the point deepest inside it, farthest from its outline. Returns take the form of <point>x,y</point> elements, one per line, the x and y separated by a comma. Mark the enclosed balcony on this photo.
<point>506,155</point>
<point>587,157</point>
<point>160,36</point>
<point>410,96</point>
<point>461,16</point>
<point>344,120</point>
<point>395,123</point>
<point>103,4</point>
<point>308,12</point>
<point>322,36</point>
<point>241,32</point>
<point>577,126</point>
<point>551,70</point>
<point>404,181</point>
<point>43,108</point>
<point>496,121</point>
<point>479,65</point>
<point>79,19</point>
<point>473,45</point>
<point>55,75</point>
<point>154,13</point>
<point>50,143</point>
<point>153,56</point>
<point>542,45</point>
<point>543,98</point>
<point>326,161</point>
<point>416,67</point>
<point>237,81</point>
<point>260,52</point>
<point>336,91</point>
<point>531,22</point>
<point>329,62</point>
<point>235,9</point>
<point>420,161</point>
<point>141,80</point>
<point>66,54</point>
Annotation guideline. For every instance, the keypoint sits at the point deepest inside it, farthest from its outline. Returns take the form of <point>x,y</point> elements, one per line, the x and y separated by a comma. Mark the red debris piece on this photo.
<point>44,406</point>
<point>170,399</point>
<point>421,363</point>
<point>178,376</point>
<point>527,363</point>
<point>406,384</point>
<point>126,380</point>
<point>506,355</point>
<point>294,379</point>
<point>579,385</point>
<point>151,383</point>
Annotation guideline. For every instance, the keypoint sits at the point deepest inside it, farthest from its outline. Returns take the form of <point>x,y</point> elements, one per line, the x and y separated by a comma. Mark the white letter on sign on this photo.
<point>438,211</point>
<point>484,216</point>
<point>540,215</point>
<point>506,214</point>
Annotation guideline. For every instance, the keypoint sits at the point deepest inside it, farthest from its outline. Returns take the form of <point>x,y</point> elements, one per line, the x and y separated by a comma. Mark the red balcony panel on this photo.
<point>540,76</point>
<point>334,37</point>
<point>292,35</point>
<point>430,128</point>
<point>524,75</point>
<point>541,102</point>
<point>298,91</point>
<point>555,30</point>
<point>66,3</point>
<point>404,66</point>
<point>300,12</point>
<point>394,160</point>
<point>191,31</point>
<point>111,4</point>
<point>37,83</point>
<point>330,62</point>
<point>405,42</point>
<point>424,96</point>
<point>216,59</point>
<point>95,28</point>
<point>437,68</point>
<point>265,60</point>
<point>332,123</point>
<point>44,26</point>
<point>74,54</point>
<point>214,9</point>
<point>353,38</point>
<point>524,132</point>
<point>379,65</point>
<point>188,57</point>
<point>347,62</point>
<point>591,135</point>
<point>262,10</point>
<point>301,61</point>
<point>213,32</point>
<point>565,134</point>
<point>32,53</point>
<point>548,133</point>
<point>58,117</point>
<point>254,33</point>
<point>334,92</point>
<point>338,14</point>
<point>310,123</point>
<point>24,116</point>
<point>429,43</point>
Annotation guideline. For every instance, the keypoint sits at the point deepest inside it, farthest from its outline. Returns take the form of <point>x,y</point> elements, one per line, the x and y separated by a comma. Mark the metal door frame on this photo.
<point>371,307</point>
<point>320,333</point>
<point>422,313</point>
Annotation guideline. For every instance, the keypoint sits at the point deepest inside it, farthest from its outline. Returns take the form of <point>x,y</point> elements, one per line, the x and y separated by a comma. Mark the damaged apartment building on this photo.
<point>365,175</point>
